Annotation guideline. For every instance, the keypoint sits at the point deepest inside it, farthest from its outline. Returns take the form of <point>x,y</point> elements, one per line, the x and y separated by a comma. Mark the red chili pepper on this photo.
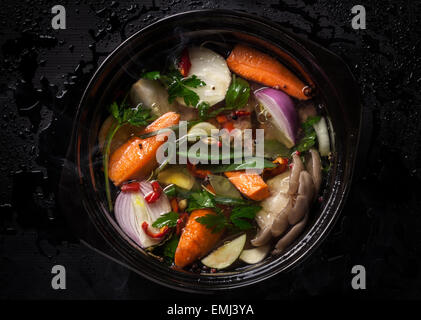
<point>160,234</point>
<point>241,113</point>
<point>185,63</point>
<point>155,194</point>
<point>181,222</point>
<point>229,126</point>
<point>130,187</point>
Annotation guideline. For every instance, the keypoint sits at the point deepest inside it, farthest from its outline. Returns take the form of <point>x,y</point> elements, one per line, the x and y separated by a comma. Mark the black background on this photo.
<point>43,72</point>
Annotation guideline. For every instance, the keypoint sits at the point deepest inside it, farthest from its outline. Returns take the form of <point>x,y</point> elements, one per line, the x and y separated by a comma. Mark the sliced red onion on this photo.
<point>283,114</point>
<point>131,210</point>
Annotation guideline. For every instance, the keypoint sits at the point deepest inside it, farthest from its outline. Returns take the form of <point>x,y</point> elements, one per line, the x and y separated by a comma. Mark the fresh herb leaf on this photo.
<point>252,163</point>
<point>193,82</point>
<point>308,124</point>
<point>239,214</point>
<point>170,247</point>
<point>153,75</point>
<point>238,93</point>
<point>216,222</point>
<point>177,86</point>
<point>200,200</point>
<point>169,219</point>
<point>274,149</point>
<point>309,138</point>
<point>203,108</point>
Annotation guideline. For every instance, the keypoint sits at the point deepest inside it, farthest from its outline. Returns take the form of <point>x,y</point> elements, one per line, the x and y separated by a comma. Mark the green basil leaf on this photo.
<point>169,219</point>
<point>238,93</point>
<point>252,163</point>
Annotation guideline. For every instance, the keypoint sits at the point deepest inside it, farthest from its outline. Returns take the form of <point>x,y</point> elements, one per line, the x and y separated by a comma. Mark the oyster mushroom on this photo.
<point>273,206</point>
<point>314,167</point>
<point>290,236</point>
<point>297,167</point>
<point>303,200</point>
<point>263,236</point>
<point>280,223</point>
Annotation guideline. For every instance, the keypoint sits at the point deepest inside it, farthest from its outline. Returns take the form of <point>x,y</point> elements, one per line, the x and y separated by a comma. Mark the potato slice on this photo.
<point>177,175</point>
<point>211,68</point>
<point>255,255</point>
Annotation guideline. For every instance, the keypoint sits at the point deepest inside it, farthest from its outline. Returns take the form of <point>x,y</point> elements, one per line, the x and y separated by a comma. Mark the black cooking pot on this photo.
<point>82,186</point>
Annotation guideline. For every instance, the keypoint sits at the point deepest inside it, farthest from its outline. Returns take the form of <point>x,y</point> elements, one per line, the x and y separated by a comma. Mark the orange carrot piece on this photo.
<point>260,67</point>
<point>196,240</point>
<point>174,205</point>
<point>199,173</point>
<point>281,166</point>
<point>137,157</point>
<point>249,184</point>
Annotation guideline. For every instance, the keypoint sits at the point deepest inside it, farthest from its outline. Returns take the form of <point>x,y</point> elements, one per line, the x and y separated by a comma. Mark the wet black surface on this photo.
<point>43,72</point>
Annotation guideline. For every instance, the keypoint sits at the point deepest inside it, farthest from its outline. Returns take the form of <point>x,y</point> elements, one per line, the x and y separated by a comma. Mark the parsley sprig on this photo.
<point>123,114</point>
<point>238,219</point>
<point>178,86</point>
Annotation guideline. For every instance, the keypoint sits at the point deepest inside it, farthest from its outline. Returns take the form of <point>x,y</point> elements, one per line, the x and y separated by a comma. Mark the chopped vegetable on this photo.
<point>130,187</point>
<point>196,240</point>
<point>322,137</point>
<point>213,70</point>
<point>223,187</point>
<point>255,255</point>
<point>225,255</point>
<point>251,163</point>
<point>179,176</point>
<point>281,166</point>
<point>236,98</point>
<point>200,130</point>
<point>123,115</point>
<point>197,172</point>
<point>240,218</point>
<point>309,138</point>
<point>249,184</point>
<point>238,94</point>
<point>162,233</point>
<point>152,95</point>
<point>274,149</point>
<point>137,157</point>
<point>178,86</point>
<point>167,220</point>
<point>185,63</point>
<point>282,113</point>
<point>155,194</point>
<point>257,66</point>
<point>131,211</point>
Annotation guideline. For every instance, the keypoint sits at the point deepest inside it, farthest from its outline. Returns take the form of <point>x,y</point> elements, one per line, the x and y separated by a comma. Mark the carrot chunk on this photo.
<point>196,240</point>
<point>137,157</point>
<point>262,68</point>
<point>249,184</point>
